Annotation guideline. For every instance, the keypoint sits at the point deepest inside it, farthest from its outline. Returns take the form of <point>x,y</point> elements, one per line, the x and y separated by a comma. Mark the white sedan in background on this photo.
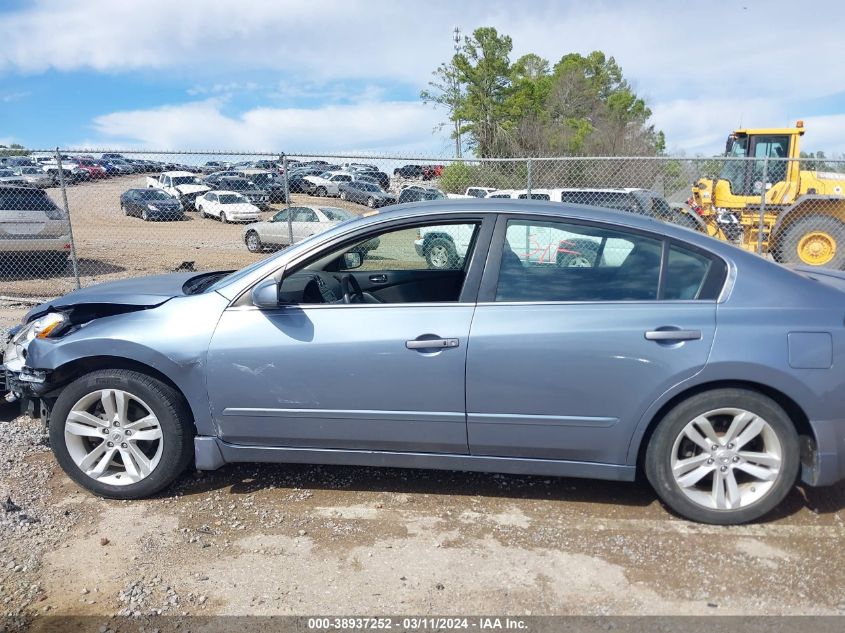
<point>227,206</point>
<point>327,183</point>
<point>305,221</point>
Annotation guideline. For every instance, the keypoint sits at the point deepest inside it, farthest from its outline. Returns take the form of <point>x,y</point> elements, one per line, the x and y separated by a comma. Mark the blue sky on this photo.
<point>326,75</point>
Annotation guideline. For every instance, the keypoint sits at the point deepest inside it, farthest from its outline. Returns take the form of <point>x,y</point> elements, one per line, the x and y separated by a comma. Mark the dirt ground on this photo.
<point>269,539</point>
<point>112,246</point>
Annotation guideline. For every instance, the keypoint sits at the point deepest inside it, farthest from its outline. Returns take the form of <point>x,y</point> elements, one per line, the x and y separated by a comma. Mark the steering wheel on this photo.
<point>351,289</point>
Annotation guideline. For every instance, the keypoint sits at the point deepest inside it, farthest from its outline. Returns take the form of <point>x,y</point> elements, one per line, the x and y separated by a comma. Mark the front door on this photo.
<point>382,372</point>
<point>579,336</point>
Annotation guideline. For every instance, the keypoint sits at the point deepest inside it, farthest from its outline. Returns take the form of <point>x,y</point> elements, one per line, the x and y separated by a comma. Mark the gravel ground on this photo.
<point>282,540</point>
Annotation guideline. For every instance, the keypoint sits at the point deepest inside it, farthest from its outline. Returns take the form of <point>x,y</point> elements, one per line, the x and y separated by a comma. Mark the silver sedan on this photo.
<point>305,221</point>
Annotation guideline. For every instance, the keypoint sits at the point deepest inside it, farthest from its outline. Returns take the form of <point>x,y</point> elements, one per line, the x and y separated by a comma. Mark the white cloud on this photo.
<point>201,125</point>
<point>702,68</point>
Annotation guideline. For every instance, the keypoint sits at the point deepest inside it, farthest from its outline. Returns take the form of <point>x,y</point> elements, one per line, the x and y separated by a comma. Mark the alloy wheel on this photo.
<point>114,437</point>
<point>726,459</point>
<point>439,256</point>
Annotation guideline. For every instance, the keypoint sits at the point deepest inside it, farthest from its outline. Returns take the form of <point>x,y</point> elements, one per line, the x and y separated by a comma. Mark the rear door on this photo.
<point>564,357</point>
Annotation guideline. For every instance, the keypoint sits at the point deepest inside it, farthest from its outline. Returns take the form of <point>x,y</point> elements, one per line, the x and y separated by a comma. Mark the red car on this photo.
<point>432,171</point>
<point>94,170</point>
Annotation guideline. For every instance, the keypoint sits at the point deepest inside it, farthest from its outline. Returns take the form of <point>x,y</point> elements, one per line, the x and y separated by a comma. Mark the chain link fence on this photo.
<point>71,218</point>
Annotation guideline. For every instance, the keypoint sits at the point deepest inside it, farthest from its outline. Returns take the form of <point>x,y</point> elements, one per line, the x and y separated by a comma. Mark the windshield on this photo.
<point>230,198</point>
<point>184,180</point>
<point>368,186</point>
<point>337,215</point>
<point>23,199</point>
<point>153,194</point>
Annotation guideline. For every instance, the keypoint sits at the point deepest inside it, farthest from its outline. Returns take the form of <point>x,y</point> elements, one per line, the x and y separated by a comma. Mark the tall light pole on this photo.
<point>456,87</point>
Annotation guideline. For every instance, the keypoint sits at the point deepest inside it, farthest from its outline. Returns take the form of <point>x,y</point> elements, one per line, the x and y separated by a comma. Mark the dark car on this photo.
<point>150,204</point>
<point>213,180</point>
<point>380,177</point>
<point>415,194</point>
<point>409,171</point>
<point>297,182</point>
<point>364,192</point>
<point>269,182</point>
<point>251,192</point>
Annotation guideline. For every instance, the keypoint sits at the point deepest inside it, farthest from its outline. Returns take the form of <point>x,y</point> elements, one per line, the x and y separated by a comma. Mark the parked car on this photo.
<point>504,363</point>
<point>246,188</point>
<point>34,232</point>
<point>631,200</point>
<point>95,171</point>
<point>227,206</point>
<point>150,204</point>
<point>430,172</point>
<point>473,192</point>
<point>10,177</point>
<point>35,177</point>
<point>409,171</point>
<point>327,183</point>
<point>415,193</point>
<point>214,165</point>
<point>380,178</point>
<point>364,192</point>
<point>268,181</point>
<point>111,156</point>
<point>305,222</point>
<point>213,180</point>
<point>182,185</point>
<point>111,170</point>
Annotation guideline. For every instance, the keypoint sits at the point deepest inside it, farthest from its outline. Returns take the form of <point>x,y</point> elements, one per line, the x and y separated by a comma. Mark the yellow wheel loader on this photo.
<point>803,211</point>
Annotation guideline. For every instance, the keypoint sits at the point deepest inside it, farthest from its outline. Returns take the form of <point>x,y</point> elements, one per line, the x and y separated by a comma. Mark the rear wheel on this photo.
<point>121,434</point>
<point>441,254</point>
<point>320,192</point>
<point>725,457</point>
<point>253,242</point>
<point>815,240</point>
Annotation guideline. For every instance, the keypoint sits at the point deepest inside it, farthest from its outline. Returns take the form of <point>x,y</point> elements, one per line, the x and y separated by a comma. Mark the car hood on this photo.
<point>139,292</point>
<point>192,188</point>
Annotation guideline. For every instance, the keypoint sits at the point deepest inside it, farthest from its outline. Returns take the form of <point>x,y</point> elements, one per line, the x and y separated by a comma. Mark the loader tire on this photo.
<point>814,240</point>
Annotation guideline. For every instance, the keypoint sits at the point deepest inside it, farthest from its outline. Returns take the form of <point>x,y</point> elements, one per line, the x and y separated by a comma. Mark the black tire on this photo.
<point>687,221</point>
<point>577,253</point>
<point>203,214</point>
<point>787,241</point>
<point>124,209</point>
<point>223,217</point>
<point>343,195</point>
<point>320,192</point>
<point>440,254</point>
<point>659,452</point>
<point>253,245</point>
<point>145,216</point>
<point>371,202</point>
<point>169,407</point>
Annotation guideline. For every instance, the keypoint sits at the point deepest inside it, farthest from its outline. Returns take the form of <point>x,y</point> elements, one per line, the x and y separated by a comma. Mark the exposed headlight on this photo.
<point>41,327</point>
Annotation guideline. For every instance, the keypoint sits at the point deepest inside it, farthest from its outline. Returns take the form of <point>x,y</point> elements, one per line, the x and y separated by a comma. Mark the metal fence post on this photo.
<point>74,260</point>
<point>528,188</point>
<point>287,198</point>
<point>763,191</point>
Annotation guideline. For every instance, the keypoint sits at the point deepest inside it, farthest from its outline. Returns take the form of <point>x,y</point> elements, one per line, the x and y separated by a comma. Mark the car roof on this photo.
<point>226,191</point>
<point>177,173</point>
<point>601,189</point>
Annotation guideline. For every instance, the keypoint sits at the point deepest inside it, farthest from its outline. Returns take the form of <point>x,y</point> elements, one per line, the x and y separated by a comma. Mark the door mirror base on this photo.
<point>265,295</point>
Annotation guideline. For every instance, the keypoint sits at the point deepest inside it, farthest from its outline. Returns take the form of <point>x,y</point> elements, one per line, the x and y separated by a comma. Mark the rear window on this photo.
<point>25,200</point>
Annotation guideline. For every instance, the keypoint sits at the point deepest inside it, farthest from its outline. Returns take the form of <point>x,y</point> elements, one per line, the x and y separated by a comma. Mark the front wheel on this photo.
<point>343,195</point>
<point>145,216</point>
<point>815,240</point>
<point>223,217</point>
<point>203,214</point>
<point>725,457</point>
<point>441,254</point>
<point>320,192</point>
<point>371,202</point>
<point>121,434</point>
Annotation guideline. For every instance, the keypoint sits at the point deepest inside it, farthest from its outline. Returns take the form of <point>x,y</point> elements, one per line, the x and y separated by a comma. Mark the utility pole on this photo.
<point>456,43</point>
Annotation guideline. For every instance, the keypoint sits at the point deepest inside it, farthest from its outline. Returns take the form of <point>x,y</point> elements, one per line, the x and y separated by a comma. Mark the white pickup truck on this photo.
<point>472,192</point>
<point>182,185</point>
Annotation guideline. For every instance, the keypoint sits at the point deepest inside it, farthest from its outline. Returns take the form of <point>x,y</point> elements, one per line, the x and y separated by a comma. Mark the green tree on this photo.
<point>483,67</point>
<point>445,91</point>
<point>13,150</point>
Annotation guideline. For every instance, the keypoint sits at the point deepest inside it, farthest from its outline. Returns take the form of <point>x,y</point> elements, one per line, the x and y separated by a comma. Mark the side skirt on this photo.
<point>212,453</point>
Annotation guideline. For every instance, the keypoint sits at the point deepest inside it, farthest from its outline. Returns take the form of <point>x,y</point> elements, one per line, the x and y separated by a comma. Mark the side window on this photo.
<point>557,261</point>
<point>281,216</point>
<point>686,272</point>
<point>433,247</point>
<point>304,214</point>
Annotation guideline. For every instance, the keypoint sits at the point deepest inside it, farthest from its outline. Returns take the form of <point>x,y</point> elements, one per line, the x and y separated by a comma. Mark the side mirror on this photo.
<point>266,294</point>
<point>352,259</point>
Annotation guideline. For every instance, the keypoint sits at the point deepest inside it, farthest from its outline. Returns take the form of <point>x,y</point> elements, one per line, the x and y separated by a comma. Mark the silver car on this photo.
<point>34,232</point>
<point>35,177</point>
<point>709,371</point>
<point>305,222</point>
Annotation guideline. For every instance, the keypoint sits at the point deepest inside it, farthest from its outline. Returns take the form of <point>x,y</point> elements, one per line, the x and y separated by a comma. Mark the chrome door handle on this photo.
<point>434,343</point>
<point>378,279</point>
<point>673,335</point>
